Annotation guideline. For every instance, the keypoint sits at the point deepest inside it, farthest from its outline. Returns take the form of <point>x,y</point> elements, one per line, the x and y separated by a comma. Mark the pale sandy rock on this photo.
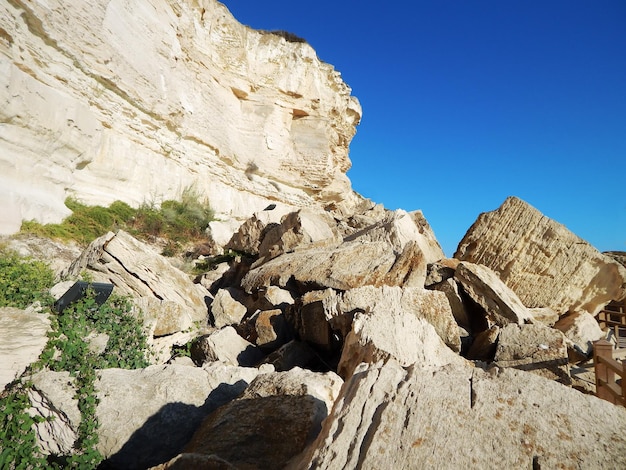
<point>534,348</point>
<point>352,264</point>
<point>147,415</point>
<point>195,461</point>
<point>299,229</point>
<point>248,237</point>
<point>485,287</point>
<point>388,416</point>
<point>57,255</point>
<point>277,297</point>
<point>452,292</point>
<point>399,228</point>
<point>544,315</point>
<point>135,269</point>
<point>297,382</point>
<point>581,329</point>
<point>388,331</point>
<point>52,398</point>
<point>226,310</point>
<point>111,101</point>
<point>23,336</point>
<point>227,347</point>
<point>166,317</point>
<point>270,423</point>
<point>483,347</point>
<point>541,260</point>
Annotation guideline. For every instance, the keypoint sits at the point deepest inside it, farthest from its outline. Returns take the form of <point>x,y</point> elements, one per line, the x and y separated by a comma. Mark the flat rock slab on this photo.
<point>544,263</point>
<point>23,336</point>
<point>388,416</point>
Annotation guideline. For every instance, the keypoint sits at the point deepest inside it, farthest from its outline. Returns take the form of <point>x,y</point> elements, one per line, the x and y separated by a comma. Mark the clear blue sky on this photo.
<point>467,102</point>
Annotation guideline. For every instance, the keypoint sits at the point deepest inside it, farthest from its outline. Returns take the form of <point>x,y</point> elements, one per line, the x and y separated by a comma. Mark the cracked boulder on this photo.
<point>544,263</point>
<point>389,416</point>
<point>135,269</point>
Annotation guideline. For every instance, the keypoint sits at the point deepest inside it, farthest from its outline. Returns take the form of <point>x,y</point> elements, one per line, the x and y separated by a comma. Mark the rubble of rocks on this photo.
<point>335,340</point>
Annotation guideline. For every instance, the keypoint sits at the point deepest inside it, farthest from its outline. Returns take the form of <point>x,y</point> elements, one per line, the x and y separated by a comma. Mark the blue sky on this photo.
<point>467,102</point>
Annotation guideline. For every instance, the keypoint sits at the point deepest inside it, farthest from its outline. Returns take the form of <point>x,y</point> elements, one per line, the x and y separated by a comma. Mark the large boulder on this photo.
<point>271,422</point>
<point>389,416</point>
<point>135,269</point>
<point>23,336</point>
<point>352,264</point>
<point>541,260</point>
<point>534,348</point>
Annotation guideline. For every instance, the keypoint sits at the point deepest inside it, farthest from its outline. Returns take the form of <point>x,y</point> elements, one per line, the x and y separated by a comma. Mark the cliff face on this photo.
<point>136,100</point>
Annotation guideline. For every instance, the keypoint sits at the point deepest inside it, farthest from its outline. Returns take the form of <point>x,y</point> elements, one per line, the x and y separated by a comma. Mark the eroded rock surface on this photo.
<point>541,260</point>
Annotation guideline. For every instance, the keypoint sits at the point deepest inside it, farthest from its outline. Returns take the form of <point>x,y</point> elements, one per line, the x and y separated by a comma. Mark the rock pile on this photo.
<point>335,340</point>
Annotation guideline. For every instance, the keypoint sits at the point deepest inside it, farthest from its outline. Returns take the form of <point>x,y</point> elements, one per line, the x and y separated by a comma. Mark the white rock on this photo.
<point>226,310</point>
<point>23,336</point>
<point>111,100</point>
<point>581,329</point>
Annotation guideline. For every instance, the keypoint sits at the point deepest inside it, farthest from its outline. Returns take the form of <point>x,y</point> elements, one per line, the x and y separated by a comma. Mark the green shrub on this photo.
<point>178,221</point>
<point>68,350</point>
<point>23,281</point>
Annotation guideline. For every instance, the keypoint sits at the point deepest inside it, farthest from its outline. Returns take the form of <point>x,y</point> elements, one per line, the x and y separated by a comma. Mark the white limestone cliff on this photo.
<point>121,99</point>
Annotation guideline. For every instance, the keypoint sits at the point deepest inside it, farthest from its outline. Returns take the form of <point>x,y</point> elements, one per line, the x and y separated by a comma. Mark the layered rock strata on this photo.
<point>134,99</point>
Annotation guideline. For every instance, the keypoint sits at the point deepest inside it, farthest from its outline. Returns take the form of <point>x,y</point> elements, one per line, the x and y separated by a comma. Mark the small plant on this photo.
<point>23,281</point>
<point>177,221</point>
<point>67,350</point>
<point>291,37</point>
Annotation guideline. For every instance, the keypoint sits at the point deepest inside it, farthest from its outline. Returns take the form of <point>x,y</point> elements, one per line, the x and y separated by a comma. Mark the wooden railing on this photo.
<point>610,372</point>
<point>613,318</point>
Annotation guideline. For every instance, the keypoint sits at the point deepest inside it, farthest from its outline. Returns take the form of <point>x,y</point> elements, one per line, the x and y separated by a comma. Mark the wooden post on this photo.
<point>603,349</point>
<point>623,383</point>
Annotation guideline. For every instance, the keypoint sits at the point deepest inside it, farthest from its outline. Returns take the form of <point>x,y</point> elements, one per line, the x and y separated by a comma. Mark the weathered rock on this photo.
<point>275,297</point>
<point>57,255</point>
<point>52,398</point>
<point>146,416</point>
<point>271,423</point>
<point>227,347</point>
<point>250,234</point>
<point>487,289</point>
<point>23,336</point>
<point>581,330</point>
<point>534,348</point>
<point>388,416</point>
<point>225,310</point>
<point>440,271</point>
<point>451,289</point>
<point>541,261</point>
<point>299,229</point>
<point>389,331</point>
<point>133,118</point>
<point>352,264</point>
<point>483,347</point>
<point>136,269</point>
<point>166,317</point>
<point>272,329</point>
<point>399,228</point>
<point>161,346</point>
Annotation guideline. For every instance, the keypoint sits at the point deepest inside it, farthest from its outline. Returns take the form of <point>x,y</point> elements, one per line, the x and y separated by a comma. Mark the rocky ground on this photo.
<point>330,340</point>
